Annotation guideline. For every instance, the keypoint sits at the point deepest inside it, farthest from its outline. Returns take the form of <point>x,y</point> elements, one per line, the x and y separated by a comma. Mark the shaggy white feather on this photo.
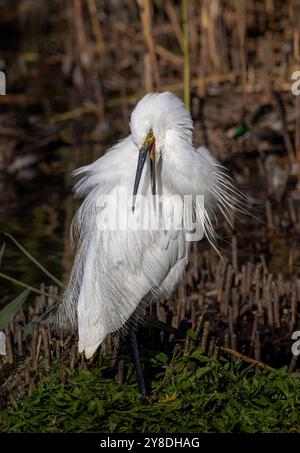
<point>115,270</point>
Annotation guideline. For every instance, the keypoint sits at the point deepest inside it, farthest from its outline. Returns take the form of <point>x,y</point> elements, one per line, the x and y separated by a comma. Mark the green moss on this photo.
<point>190,393</point>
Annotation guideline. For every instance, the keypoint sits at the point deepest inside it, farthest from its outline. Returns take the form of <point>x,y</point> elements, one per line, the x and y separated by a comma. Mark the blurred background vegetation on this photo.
<point>75,69</point>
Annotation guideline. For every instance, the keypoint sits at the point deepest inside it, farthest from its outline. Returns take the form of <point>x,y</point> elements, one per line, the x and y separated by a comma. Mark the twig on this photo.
<point>247,359</point>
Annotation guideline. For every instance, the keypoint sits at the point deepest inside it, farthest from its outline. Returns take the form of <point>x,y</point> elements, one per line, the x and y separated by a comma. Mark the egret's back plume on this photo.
<point>116,269</point>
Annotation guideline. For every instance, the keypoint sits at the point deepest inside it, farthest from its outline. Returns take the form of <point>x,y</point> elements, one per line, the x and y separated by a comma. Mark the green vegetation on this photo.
<point>190,393</point>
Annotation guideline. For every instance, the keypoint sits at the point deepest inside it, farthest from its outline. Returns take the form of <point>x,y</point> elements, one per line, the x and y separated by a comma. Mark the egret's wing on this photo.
<point>178,264</point>
<point>120,269</point>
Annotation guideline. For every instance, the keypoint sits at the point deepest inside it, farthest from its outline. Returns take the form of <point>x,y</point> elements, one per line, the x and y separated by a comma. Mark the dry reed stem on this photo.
<point>145,14</point>
<point>241,26</point>
<point>9,346</point>
<point>170,10</point>
<point>257,348</point>
<point>247,359</point>
<point>38,349</point>
<point>96,26</point>
<point>186,55</point>
<point>121,372</point>
<point>204,339</point>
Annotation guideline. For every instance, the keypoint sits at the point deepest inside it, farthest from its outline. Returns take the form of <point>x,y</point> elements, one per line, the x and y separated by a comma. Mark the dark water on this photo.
<point>35,216</point>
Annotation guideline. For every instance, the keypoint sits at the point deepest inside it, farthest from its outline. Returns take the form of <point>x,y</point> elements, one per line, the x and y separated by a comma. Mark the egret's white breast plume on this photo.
<point>115,270</point>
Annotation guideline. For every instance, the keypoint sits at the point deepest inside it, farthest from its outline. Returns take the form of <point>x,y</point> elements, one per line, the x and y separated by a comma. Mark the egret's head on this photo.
<point>160,113</point>
<point>155,117</point>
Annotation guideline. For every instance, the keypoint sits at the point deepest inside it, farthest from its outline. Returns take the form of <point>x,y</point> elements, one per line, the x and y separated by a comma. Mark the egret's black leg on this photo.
<point>137,362</point>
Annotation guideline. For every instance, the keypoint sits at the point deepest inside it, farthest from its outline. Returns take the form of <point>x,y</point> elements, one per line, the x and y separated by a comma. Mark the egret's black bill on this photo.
<point>141,162</point>
<point>152,155</point>
<point>148,149</point>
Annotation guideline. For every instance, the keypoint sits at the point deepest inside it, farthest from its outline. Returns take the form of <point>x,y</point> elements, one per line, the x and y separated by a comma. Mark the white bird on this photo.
<point>118,269</point>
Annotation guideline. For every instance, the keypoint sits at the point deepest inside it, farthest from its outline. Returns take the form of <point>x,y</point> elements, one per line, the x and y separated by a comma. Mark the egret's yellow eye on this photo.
<point>150,135</point>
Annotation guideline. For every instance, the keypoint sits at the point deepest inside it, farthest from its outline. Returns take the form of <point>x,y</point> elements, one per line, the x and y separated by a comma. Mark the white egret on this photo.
<point>116,269</point>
